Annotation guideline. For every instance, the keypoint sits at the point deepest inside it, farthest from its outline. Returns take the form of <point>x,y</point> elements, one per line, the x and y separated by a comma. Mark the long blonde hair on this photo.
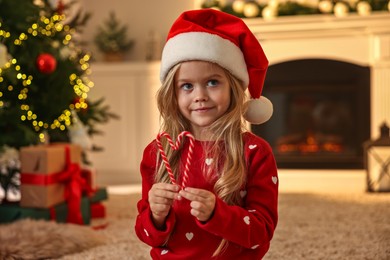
<point>227,130</point>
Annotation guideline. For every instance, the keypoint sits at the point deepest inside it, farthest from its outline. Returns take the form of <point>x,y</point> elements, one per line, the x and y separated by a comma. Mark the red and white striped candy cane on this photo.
<point>175,146</point>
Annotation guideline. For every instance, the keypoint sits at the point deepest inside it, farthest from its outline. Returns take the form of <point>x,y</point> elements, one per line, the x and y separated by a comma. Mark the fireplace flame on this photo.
<point>310,143</point>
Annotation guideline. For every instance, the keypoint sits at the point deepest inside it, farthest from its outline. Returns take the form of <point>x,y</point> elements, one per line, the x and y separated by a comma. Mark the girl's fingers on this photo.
<point>202,202</point>
<point>161,200</point>
<point>167,186</point>
<point>163,194</point>
<point>160,208</point>
<point>196,194</point>
<point>164,190</point>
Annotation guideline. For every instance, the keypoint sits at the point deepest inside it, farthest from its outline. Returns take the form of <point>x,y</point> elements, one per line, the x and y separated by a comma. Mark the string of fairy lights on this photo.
<point>48,26</point>
<point>271,9</point>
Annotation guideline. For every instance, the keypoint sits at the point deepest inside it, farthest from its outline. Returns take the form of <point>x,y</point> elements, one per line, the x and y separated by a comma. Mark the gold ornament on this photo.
<point>340,9</point>
<point>363,8</point>
<point>269,13</point>
<point>251,10</point>
<point>273,4</point>
<point>325,6</point>
<point>238,6</point>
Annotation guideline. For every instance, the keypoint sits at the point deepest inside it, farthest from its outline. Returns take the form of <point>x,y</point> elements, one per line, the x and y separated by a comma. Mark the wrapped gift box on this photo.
<point>99,195</point>
<point>41,167</point>
<point>13,211</point>
<point>98,210</point>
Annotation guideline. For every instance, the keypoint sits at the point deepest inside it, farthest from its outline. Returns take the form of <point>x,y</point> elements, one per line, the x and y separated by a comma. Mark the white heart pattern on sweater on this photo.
<point>209,161</point>
<point>163,252</point>
<point>243,193</point>
<point>252,146</point>
<point>247,220</point>
<point>189,236</point>
<point>274,179</point>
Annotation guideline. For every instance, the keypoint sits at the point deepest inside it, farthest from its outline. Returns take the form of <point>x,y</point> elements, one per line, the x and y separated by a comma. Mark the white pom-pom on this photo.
<point>259,110</point>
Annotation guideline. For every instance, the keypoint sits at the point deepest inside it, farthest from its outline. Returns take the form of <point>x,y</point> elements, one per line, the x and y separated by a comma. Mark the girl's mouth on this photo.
<point>202,109</point>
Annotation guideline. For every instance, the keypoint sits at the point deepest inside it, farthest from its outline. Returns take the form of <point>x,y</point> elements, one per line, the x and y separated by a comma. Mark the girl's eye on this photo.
<point>212,83</point>
<point>187,86</point>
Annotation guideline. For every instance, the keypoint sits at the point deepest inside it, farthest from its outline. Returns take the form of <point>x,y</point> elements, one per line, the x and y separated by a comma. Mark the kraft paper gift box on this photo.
<point>41,166</point>
<point>10,212</point>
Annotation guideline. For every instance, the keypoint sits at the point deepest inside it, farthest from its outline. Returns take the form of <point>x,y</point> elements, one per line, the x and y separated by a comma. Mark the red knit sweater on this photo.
<point>248,229</point>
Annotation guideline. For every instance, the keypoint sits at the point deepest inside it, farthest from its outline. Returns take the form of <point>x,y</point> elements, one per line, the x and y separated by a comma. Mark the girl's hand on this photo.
<point>161,198</point>
<point>202,202</point>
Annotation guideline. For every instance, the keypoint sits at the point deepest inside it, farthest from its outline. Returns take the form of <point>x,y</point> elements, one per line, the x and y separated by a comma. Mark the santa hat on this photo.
<point>218,37</point>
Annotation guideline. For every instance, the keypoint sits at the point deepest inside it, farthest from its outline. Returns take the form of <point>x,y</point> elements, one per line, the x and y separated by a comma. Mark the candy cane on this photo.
<point>175,146</point>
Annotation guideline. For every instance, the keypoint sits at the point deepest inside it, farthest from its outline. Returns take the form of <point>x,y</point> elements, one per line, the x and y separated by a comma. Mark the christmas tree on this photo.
<point>44,72</point>
<point>111,37</point>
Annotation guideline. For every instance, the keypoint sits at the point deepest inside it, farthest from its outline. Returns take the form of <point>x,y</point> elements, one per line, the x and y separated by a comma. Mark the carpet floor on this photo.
<point>311,226</point>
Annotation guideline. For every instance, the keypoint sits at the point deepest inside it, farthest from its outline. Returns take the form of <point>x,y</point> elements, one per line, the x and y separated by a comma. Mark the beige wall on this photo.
<point>141,16</point>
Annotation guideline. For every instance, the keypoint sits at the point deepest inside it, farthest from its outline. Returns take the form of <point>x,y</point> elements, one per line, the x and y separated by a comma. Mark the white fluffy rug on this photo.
<point>39,239</point>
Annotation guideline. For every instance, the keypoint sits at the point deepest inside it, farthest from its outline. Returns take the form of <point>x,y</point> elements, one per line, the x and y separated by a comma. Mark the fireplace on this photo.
<point>329,81</point>
<point>321,113</point>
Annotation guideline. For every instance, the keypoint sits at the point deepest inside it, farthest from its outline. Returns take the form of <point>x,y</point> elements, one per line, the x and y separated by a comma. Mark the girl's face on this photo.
<point>203,93</point>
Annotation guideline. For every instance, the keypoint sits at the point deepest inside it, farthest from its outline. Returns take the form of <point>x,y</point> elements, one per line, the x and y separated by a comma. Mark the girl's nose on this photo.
<point>200,94</point>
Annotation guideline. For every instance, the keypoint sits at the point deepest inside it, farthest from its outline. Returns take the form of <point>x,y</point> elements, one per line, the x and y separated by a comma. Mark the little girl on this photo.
<point>228,208</point>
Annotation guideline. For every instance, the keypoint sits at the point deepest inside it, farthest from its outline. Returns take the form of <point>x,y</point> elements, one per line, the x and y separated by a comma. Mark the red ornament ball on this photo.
<point>46,63</point>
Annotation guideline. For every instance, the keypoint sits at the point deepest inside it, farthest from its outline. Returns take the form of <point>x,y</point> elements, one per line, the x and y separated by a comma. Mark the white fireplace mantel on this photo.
<point>317,25</point>
<point>361,40</point>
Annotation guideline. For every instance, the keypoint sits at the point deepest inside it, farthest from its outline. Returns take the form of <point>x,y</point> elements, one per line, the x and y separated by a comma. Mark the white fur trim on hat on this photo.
<point>258,110</point>
<point>205,47</point>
